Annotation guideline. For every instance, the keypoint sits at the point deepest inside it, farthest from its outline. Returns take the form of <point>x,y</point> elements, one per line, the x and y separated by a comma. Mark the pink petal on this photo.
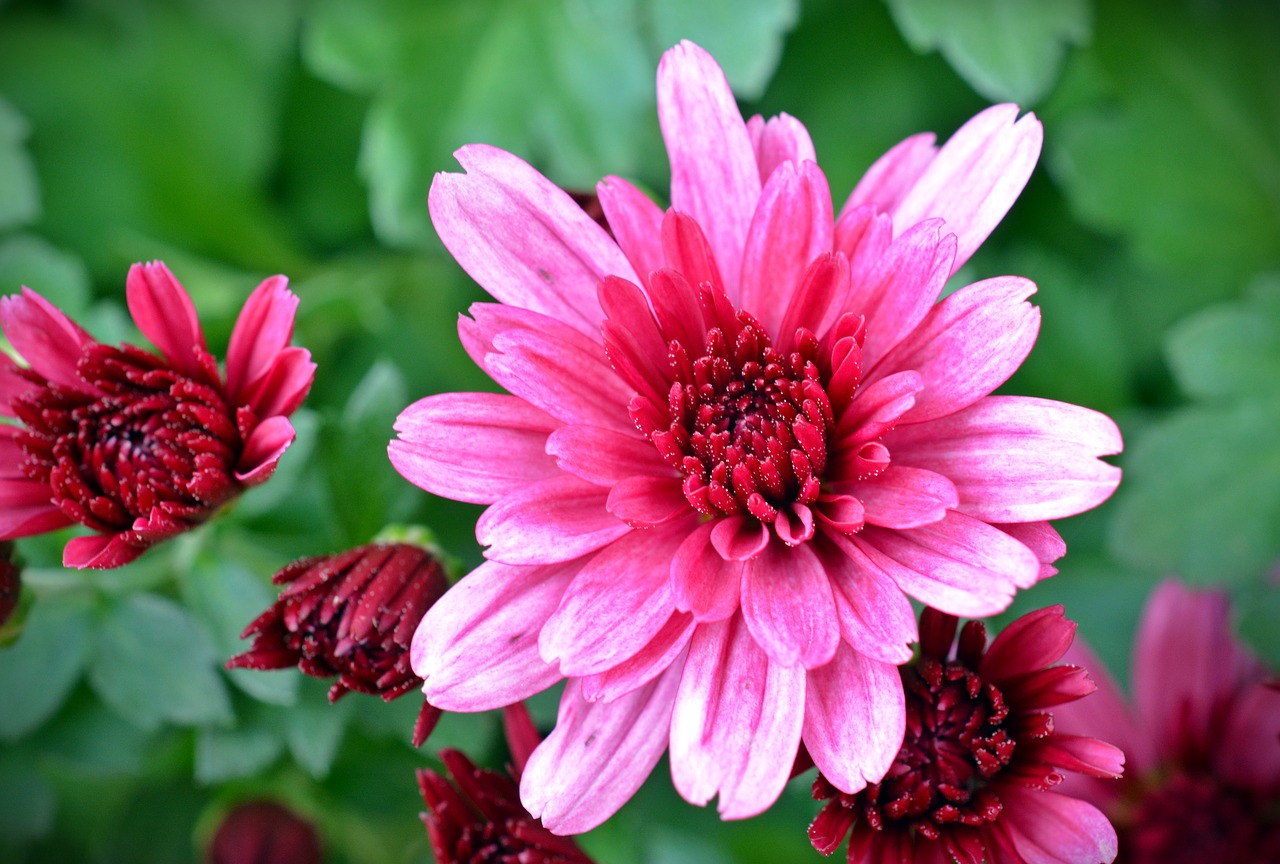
<point>737,720</point>
<point>876,618</point>
<point>263,450</point>
<point>477,646</point>
<point>1103,714</point>
<point>632,342</point>
<point>49,341</point>
<point>787,604</point>
<point>739,538</point>
<point>263,329</point>
<point>1048,828</point>
<point>165,314</point>
<point>283,387</point>
<point>474,447</point>
<point>966,346</point>
<point>1249,753</point>
<point>26,508</point>
<point>1040,538</point>
<point>891,176</point>
<point>959,565</point>
<point>903,497</point>
<point>598,755</point>
<point>874,411</point>
<point>1031,642</point>
<point>854,719</point>
<point>643,502</point>
<point>815,303</point>
<point>673,290</point>
<point>100,552</point>
<point>552,520</point>
<point>703,581</point>
<point>792,226</point>
<point>714,177</point>
<point>778,140</point>
<point>975,177</point>
<point>1083,755</point>
<point>489,320</point>
<point>604,456</point>
<point>663,650</point>
<point>617,603</point>
<point>635,221</point>
<point>1017,459</point>
<point>522,238</point>
<point>862,234</point>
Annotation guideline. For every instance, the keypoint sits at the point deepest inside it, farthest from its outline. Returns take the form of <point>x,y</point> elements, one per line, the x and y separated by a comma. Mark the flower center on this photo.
<point>149,439</point>
<point>1193,818</point>
<point>490,843</point>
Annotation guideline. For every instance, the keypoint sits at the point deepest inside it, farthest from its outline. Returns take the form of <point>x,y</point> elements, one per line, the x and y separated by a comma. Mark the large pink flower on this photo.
<point>736,439</point>
<point>1202,781</point>
<point>135,446</point>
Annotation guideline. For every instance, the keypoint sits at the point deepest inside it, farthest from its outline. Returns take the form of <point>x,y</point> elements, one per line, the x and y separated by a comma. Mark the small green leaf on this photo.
<point>1231,349</point>
<point>154,664</point>
<point>94,741</point>
<point>227,754</point>
<point>58,276</point>
<point>314,727</point>
<point>27,802</point>
<point>19,189</point>
<point>1008,50</point>
<point>38,671</point>
<point>1259,612</point>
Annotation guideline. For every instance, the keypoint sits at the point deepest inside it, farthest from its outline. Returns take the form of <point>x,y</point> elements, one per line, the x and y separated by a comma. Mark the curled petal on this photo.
<point>263,329</point>
<point>165,314</point>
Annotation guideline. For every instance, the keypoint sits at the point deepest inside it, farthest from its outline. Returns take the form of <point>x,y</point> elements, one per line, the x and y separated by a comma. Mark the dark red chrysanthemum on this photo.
<point>264,832</point>
<point>352,615</point>
<point>972,778</point>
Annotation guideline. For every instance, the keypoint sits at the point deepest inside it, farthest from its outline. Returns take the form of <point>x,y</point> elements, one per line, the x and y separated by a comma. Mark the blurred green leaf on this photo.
<point>250,746</point>
<point>1007,50</point>
<point>154,664</point>
<point>314,727</point>
<point>745,36</point>
<point>1259,611</point>
<point>89,739</point>
<point>19,189</point>
<point>60,277</point>
<point>38,671</point>
<point>27,803</point>
<point>1232,349</point>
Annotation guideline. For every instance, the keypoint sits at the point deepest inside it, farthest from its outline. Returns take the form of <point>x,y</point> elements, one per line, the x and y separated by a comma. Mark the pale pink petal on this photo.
<point>598,755</point>
<point>891,176</point>
<point>165,314</point>
<point>635,221</point>
<point>632,342</point>
<point>643,502</point>
<point>787,604</point>
<point>263,329</point>
<point>1031,642</point>
<point>737,720</point>
<point>876,618</point>
<point>1017,459</point>
<point>703,581</point>
<point>959,565</point>
<point>714,177</point>
<point>778,140</point>
<point>792,226</point>
<point>1048,828</point>
<point>49,341</point>
<point>1249,750</point>
<point>663,650</point>
<point>552,520</point>
<point>1040,538</point>
<point>617,603</point>
<point>903,497</point>
<point>477,646</point>
<point>263,450</point>
<point>474,447</point>
<point>862,235</point>
<point>854,719</point>
<point>604,456</point>
<point>975,177</point>
<point>488,320</point>
<point>523,238</point>
<point>283,387</point>
<point>966,346</point>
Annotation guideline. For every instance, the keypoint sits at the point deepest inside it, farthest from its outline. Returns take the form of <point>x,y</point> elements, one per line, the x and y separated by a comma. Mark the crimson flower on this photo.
<point>140,447</point>
<point>1202,738</point>
<point>736,439</point>
<point>264,832</point>
<point>971,780</point>
<point>351,615</point>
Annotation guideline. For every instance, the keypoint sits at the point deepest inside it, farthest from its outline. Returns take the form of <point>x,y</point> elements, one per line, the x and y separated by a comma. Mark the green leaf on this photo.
<point>38,671</point>
<point>1232,349</point>
<point>1259,612</point>
<point>227,754</point>
<point>154,664</point>
<point>314,727</point>
<point>58,276</point>
<point>93,741</point>
<point>19,189</point>
<point>1007,50</point>
<point>27,802</point>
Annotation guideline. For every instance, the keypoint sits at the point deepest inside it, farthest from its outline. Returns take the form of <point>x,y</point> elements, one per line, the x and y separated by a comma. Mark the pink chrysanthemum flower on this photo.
<point>139,447</point>
<point>736,439</point>
<point>971,781</point>
<point>1202,781</point>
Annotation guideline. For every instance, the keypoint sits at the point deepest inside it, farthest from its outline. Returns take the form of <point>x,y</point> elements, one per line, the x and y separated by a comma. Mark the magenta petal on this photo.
<point>281,389</point>
<point>556,519</point>
<point>263,329</point>
<point>739,538</point>
<point>1249,754</point>
<point>815,304</point>
<point>99,552</point>
<point>1082,755</point>
<point>703,581</point>
<point>902,497</point>
<point>643,502</point>
<point>959,565</point>
<point>966,346</point>
<point>165,314</point>
<point>639,669</point>
<point>791,227</point>
<point>1048,828</point>
<point>617,603</point>
<point>875,410</point>
<point>862,235</point>
<point>777,140</point>
<point>48,340</point>
<point>787,604</point>
<point>1033,641</point>
<point>477,646</point>
<point>603,456</point>
<point>1041,539</point>
<point>876,618</point>
<point>736,725</point>
<point>474,447</point>
<point>263,450</point>
<point>1017,459</point>
<point>891,176</point>
<point>632,341</point>
<point>598,755</point>
<point>854,719</point>
<point>26,507</point>
<point>1103,714</point>
<point>635,221</point>
<point>714,177</point>
<point>524,239</point>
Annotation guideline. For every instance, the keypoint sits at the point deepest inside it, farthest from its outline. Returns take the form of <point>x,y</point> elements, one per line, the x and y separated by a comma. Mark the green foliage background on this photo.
<point>237,138</point>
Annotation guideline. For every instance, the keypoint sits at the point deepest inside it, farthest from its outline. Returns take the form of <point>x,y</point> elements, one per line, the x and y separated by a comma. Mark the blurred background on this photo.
<point>235,139</point>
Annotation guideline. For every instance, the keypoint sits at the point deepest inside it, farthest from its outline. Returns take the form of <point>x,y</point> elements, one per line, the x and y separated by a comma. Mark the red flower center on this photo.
<point>148,442</point>
<point>1192,817</point>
